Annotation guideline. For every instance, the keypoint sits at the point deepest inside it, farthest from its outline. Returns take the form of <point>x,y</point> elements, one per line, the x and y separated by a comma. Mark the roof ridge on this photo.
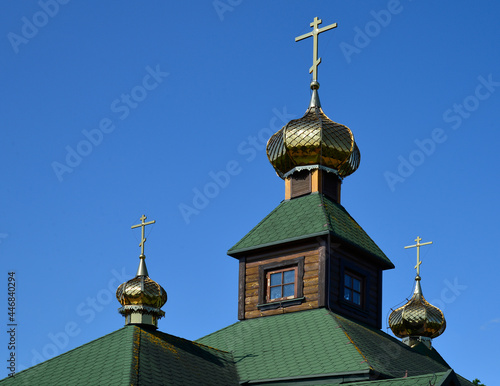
<point>256,226</point>
<point>136,346</point>
<point>191,341</point>
<point>350,339</point>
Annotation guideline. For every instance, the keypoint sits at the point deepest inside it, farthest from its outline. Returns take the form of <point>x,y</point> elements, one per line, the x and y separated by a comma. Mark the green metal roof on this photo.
<point>309,216</point>
<point>315,342</point>
<point>133,356</point>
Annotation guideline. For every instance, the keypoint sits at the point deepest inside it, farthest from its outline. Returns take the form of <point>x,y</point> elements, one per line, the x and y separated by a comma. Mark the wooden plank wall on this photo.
<point>310,284</point>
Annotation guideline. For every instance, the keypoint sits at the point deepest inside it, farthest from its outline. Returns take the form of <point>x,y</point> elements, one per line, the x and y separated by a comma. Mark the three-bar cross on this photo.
<point>418,245</point>
<point>143,225</point>
<point>314,33</point>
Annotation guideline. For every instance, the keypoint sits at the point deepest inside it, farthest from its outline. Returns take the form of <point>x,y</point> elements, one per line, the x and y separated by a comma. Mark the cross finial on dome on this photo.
<point>141,297</point>
<point>143,225</point>
<point>314,33</point>
<point>418,245</point>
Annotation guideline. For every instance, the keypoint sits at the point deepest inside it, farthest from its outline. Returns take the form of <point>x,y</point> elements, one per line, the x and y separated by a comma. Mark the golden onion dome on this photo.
<point>141,298</point>
<point>141,290</point>
<point>417,318</point>
<point>313,141</point>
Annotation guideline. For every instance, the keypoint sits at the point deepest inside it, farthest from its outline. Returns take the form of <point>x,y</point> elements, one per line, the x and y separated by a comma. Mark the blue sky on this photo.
<point>112,110</point>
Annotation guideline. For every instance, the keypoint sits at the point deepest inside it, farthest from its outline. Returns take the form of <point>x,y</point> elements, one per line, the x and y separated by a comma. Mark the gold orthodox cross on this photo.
<point>314,33</point>
<point>143,225</point>
<point>418,245</point>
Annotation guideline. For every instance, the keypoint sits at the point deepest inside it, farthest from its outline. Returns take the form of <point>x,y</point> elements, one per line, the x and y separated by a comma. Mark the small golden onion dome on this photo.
<point>141,298</point>
<point>313,141</point>
<point>417,318</point>
<point>141,290</point>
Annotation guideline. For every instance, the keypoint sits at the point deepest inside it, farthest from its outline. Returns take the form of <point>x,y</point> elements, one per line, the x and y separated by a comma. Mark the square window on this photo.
<point>353,289</point>
<point>282,284</point>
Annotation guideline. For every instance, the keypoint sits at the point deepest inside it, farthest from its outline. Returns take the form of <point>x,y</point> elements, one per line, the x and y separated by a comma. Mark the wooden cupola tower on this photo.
<point>309,252</point>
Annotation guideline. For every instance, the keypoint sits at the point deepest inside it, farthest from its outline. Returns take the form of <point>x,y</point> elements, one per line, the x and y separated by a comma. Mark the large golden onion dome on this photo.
<point>417,318</point>
<point>313,141</point>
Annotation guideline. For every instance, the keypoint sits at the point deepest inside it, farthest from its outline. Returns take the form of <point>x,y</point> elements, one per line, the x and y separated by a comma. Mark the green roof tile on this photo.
<point>90,364</point>
<point>305,217</point>
<point>387,355</point>
<point>288,345</point>
<point>133,355</point>
<point>315,342</point>
<point>168,360</point>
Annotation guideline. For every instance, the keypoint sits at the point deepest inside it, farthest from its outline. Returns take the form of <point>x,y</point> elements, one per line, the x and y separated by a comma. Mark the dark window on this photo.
<point>282,284</point>
<point>353,289</point>
<point>300,183</point>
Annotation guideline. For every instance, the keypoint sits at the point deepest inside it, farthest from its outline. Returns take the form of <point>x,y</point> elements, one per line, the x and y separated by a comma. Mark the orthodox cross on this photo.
<point>314,33</point>
<point>418,245</point>
<point>143,225</point>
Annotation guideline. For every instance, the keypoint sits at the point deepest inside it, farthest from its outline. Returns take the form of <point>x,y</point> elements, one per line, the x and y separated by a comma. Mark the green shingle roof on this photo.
<point>441,379</point>
<point>309,216</point>
<point>288,345</point>
<point>314,342</point>
<point>133,356</point>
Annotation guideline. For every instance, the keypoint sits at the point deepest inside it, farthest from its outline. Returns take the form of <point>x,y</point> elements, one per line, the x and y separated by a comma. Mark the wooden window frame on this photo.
<point>264,269</point>
<point>361,291</point>
<point>282,285</point>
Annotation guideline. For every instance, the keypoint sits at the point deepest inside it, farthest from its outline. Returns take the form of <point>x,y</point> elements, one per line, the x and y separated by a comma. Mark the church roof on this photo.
<point>309,216</point>
<point>321,345</point>
<point>133,356</point>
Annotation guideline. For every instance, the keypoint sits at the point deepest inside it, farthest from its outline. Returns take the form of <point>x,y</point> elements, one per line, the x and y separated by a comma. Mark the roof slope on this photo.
<point>309,216</point>
<point>388,356</point>
<point>133,355</point>
<point>317,342</point>
<point>288,345</point>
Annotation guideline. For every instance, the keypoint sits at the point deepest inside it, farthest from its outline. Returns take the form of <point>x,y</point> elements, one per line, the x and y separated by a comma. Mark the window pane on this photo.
<point>347,294</point>
<point>288,290</point>
<point>275,293</point>
<point>289,276</point>
<point>356,285</point>
<point>356,298</point>
<point>347,281</point>
<point>276,279</point>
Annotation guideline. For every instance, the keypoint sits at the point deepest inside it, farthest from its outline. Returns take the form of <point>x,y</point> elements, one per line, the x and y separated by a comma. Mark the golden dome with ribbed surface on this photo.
<point>313,141</point>
<point>417,318</point>
<point>141,298</point>
<point>141,290</point>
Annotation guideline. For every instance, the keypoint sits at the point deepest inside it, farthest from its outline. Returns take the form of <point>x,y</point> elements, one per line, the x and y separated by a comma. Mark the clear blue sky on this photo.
<point>112,110</point>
